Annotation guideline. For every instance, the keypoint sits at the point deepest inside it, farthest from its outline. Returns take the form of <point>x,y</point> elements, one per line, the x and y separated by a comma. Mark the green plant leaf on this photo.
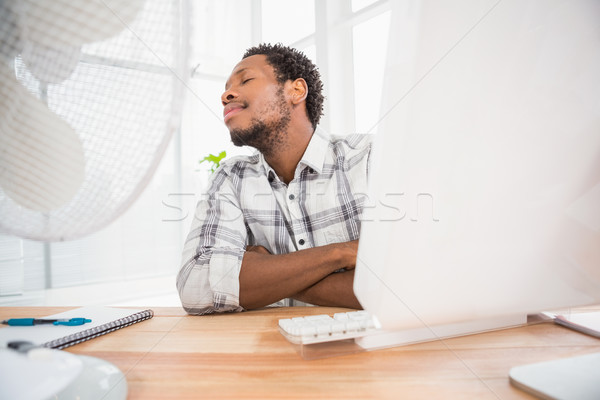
<point>214,161</point>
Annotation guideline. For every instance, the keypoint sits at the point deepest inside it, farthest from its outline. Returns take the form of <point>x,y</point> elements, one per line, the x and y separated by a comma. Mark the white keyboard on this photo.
<point>324,328</point>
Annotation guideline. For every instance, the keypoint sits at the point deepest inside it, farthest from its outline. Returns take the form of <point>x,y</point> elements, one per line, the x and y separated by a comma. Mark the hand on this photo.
<point>348,253</point>
<point>336,290</point>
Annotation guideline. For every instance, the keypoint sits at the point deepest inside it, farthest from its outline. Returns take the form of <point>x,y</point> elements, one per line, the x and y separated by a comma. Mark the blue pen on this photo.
<point>36,321</point>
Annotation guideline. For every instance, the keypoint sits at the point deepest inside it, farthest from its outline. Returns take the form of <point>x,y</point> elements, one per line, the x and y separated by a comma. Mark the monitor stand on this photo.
<point>387,339</point>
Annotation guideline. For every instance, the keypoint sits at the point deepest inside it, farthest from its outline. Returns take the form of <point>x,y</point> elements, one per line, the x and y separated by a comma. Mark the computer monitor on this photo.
<point>484,201</point>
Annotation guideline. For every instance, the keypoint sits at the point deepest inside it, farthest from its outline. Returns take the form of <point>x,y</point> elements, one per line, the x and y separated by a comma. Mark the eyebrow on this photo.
<point>239,71</point>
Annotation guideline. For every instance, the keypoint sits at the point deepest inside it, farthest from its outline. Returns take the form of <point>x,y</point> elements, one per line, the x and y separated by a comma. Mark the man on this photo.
<point>283,223</point>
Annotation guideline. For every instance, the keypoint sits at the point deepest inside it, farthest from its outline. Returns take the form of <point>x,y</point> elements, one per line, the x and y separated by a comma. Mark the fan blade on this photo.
<point>42,163</point>
<point>59,23</point>
<point>50,65</point>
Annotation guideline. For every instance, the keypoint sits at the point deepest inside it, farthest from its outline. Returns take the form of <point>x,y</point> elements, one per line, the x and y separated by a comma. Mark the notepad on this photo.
<point>104,320</point>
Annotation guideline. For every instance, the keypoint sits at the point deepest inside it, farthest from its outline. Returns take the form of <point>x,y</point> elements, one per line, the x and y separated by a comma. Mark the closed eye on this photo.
<point>246,81</point>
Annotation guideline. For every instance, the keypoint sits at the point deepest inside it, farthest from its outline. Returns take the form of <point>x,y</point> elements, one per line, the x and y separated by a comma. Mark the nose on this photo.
<point>228,96</point>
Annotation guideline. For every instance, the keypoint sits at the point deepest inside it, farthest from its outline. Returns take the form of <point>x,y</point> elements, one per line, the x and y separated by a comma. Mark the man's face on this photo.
<point>255,107</point>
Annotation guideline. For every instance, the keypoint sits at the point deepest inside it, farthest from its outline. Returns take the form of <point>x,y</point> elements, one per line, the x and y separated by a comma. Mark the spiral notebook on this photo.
<point>104,320</point>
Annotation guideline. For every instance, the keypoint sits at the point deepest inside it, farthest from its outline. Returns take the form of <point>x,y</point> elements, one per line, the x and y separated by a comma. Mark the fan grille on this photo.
<point>120,95</point>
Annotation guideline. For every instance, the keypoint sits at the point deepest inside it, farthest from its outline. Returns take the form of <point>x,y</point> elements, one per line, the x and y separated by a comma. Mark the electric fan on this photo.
<point>90,94</point>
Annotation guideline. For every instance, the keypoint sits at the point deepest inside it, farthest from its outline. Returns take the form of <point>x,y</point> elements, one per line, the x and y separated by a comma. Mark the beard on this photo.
<point>266,136</point>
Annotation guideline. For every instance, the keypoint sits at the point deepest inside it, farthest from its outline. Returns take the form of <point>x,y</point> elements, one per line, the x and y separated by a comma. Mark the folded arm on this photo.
<point>307,275</point>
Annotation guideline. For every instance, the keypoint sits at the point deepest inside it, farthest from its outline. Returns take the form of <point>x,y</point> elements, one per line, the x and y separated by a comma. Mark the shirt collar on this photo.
<point>313,157</point>
<point>269,171</point>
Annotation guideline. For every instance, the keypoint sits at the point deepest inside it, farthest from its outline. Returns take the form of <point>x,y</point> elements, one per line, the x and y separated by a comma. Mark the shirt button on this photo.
<point>291,197</point>
<point>301,242</point>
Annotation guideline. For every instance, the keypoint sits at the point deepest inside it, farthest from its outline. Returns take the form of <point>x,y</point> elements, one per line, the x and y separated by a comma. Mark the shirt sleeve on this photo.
<point>208,280</point>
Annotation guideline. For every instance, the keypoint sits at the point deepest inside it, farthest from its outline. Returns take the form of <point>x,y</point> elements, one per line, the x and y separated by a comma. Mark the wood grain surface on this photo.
<point>243,356</point>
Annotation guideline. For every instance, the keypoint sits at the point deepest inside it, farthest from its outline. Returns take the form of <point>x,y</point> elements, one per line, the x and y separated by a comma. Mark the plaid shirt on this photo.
<point>247,204</point>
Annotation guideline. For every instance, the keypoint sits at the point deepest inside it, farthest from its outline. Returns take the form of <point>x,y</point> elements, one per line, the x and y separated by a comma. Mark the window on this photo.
<point>358,5</point>
<point>369,67</point>
<point>287,21</point>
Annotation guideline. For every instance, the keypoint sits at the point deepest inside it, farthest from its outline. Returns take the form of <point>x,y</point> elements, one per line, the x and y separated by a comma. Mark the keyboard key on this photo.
<point>338,327</point>
<point>308,330</point>
<point>323,330</point>
<point>340,316</point>
<point>316,318</point>
<point>285,322</point>
<point>358,315</point>
<point>352,326</point>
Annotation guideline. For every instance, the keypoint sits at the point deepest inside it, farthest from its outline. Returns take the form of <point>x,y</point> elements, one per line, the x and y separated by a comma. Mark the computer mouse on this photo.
<point>37,373</point>
<point>99,379</point>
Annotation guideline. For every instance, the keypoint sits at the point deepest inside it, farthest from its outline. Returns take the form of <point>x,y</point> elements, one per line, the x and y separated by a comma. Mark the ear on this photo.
<point>299,91</point>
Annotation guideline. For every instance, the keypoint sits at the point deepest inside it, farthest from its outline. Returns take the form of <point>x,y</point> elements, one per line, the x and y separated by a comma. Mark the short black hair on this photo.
<point>291,64</point>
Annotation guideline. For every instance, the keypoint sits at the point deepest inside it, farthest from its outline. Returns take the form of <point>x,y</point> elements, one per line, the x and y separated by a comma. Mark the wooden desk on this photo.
<point>238,356</point>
